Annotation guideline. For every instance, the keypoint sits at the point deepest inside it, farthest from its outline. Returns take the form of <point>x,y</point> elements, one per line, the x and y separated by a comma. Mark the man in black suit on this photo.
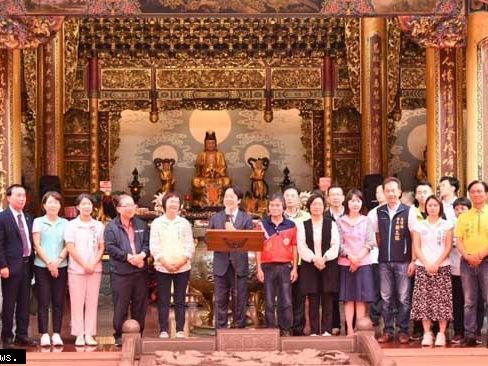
<point>226,264</point>
<point>16,259</point>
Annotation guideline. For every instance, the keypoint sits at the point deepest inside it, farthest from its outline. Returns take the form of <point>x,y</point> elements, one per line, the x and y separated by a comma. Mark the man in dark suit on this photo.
<point>127,241</point>
<point>16,259</point>
<point>226,264</point>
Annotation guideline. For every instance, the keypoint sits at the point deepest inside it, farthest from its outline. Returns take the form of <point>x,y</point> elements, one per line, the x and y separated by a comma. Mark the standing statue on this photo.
<point>165,167</point>
<point>259,187</point>
<point>211,178</point>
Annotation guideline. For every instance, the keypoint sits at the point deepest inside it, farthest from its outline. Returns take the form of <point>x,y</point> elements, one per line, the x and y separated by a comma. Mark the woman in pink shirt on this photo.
<point>84,240</point>
<point>356,272</point>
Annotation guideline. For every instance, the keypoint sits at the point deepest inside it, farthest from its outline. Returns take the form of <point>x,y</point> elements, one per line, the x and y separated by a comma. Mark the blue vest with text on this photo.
<point>395,241</point>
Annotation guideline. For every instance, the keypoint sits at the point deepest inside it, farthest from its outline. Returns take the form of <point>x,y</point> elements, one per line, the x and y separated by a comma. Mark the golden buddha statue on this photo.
<point>211,178</point>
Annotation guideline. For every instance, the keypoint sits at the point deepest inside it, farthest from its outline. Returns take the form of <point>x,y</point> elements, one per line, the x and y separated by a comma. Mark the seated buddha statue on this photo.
<point>211,179</point>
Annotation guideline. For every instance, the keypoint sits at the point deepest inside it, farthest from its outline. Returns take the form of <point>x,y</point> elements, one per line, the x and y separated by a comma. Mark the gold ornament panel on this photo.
<point>132,79</point>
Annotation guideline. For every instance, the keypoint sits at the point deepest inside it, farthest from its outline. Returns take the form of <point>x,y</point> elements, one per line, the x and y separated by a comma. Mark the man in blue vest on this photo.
<point>396,261</point>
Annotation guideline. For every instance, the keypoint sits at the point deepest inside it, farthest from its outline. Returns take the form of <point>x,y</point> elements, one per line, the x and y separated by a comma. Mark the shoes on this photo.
<point>440,340</point>
<point>8,343</point>
<point>25,342</point>
<point>313,335</point>
<point>403,339</point>
<point>163,335</point>
<point>457,339</point>
<point>45,340</point>
<point>118,342</point>
<point>385,338</point>
<point>336,331</point>
<point>326,334</point>
<point>478,339</point>
<point>470,342</point>
<point>427,339</point>
<point>80,341</point>
<point>90,341</point>
<point>285,333</point>
<point>56,340</point>
<point>180,334</point>
<point>416,337</point>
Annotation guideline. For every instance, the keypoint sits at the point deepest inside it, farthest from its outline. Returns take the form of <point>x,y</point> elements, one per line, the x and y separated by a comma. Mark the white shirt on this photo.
<point>449,210</point>
<point>304,251</point>
<point>391,212</point>
<point>433,240</point>
<point>373,254</point>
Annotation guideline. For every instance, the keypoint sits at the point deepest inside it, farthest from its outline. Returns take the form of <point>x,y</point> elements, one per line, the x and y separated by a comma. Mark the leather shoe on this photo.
<point>8,343</point>
<point>25,342</point>
<point>470,342</point>
<point>403,338</point>
<point>385,338</point>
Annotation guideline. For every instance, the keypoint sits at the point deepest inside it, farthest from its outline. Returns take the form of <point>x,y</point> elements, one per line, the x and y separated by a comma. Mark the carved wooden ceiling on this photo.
<point>210,37</point>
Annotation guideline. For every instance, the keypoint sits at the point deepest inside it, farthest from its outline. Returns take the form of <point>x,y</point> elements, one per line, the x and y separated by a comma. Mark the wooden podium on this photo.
<point>219,240</point>
<point>234,240</point>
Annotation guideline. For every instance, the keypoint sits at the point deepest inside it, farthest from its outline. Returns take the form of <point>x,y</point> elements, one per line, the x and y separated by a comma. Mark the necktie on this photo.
<point>23,237</point>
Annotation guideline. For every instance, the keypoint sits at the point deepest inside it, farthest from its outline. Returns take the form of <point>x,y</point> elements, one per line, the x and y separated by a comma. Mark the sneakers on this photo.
<point>440,340</point>
<point>118,341</point>
<point>45,340</point>
<point>80,341</point>
<point>180,334</point>
<point>313,335</point>
<point>458,339</point>
<point>427,339</point>
<point>336,331</point>
<point>90,341</point>
<point>326,334</point>
<point>163,335</point>
<point>56,340</point>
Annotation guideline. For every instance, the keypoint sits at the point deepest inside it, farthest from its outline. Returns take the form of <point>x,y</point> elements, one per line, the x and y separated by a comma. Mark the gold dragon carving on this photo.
<point>71,37</point>
<point>353,50</point>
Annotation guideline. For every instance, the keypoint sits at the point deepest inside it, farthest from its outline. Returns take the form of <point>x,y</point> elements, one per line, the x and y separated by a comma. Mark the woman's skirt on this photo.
<point>358,285</point>
<point>432,295</point>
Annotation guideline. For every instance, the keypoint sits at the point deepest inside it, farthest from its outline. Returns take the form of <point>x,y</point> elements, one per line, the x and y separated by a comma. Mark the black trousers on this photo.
<point>129,290</point>
<point>223,285</point>
<point>180,283</point>
<point>320,324</point>
<point>50,290</point>
<point>298,307</point>
<point>16,299</point>
<point>457,305</point>
<point>336,312</point>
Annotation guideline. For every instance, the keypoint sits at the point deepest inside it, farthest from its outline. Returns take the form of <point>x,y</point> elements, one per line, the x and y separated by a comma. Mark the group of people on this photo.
<point>427,262</point>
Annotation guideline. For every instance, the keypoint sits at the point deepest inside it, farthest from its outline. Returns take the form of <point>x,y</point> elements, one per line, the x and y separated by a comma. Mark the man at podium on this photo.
<point>227,264</point>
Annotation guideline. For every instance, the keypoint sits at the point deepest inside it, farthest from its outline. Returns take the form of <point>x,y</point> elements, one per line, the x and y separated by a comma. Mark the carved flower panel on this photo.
<point>347,145</point>
<point>76,122</point>
<point>126,79</point>
<point>412,78</point>
<point>77,175</point>
<point>77,148</point>
<point>347,172</point>
<point>210,78</point>
<point>346,120</point>
<point>309,78</point>
<point>80,79</point>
